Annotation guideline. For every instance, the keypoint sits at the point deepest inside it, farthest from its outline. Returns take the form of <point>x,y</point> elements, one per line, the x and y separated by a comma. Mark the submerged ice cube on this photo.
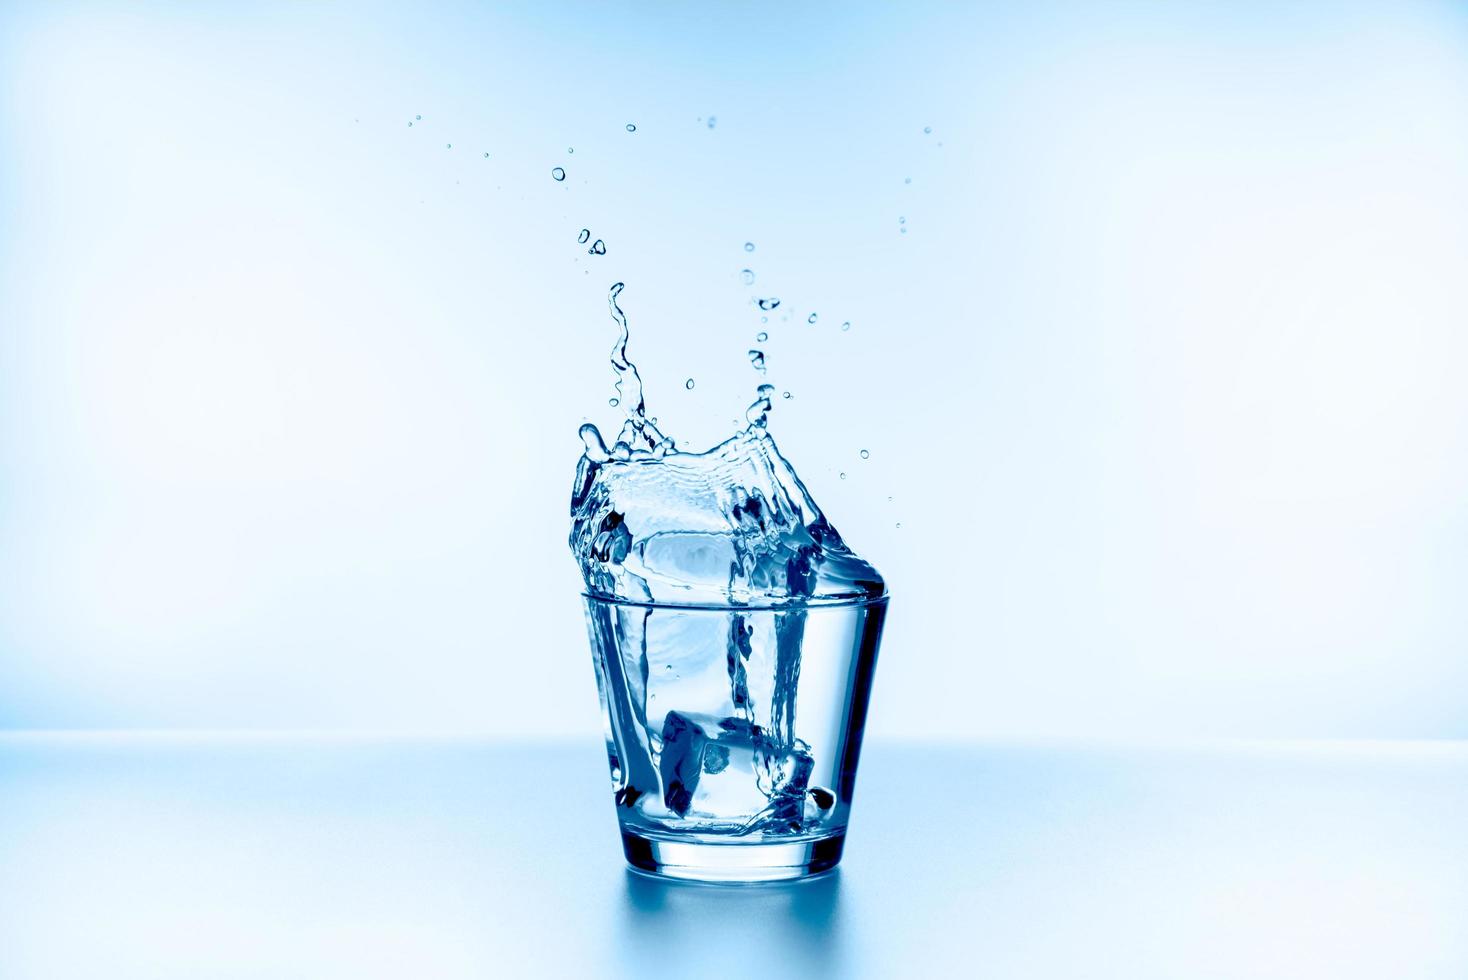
<point>715,769</point>
<point>681,765</point>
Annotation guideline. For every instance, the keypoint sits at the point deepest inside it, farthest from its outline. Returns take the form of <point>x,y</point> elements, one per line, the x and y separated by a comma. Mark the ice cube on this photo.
<point>788,806</point>
<point>682,761</point>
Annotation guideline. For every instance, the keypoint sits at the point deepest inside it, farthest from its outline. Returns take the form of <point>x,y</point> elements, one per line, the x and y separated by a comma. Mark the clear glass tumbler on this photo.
<point>733,731</point>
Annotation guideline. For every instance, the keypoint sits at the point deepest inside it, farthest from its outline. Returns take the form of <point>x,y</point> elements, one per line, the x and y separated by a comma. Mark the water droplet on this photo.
<point>770,303</point>
<point>811,318</point>
<point>899,524</point>
<point>901,220</point>
<point>486,156</point>
<point>843,476</point>
<point>712,121</point>
<point>584,237</point>
<point>749,246</point>
<point>927,129</point>
<point>558,174</point>
<point>631,128</point>
<point>410,124</point>
<point>613,402</point>
<point>448,146</point>
<point>907,180</point>
<point>570,149</point>
<point>417,117</point>
<point>757,360</point>
<point>764,319</point>
<point>903,229</point>
<point>688,384</point>
<point>762,336</point>
<point>598,247</point>
<point>746,276</point>
<point>846,325</point>
<point>865,454</point>
<point>787,394</point>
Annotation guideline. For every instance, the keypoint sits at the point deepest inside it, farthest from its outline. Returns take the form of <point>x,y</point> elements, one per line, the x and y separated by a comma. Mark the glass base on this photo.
<point>732,863</point>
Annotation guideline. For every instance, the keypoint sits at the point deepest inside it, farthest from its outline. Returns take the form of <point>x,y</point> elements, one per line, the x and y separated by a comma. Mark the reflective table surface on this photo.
<point>161,856</point>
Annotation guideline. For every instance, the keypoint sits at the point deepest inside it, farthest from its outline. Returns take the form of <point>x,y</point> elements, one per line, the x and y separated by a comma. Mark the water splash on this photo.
<point>732,524</point>
<point>757,360</point>
<point>758,412</point>
<point>639,433</point>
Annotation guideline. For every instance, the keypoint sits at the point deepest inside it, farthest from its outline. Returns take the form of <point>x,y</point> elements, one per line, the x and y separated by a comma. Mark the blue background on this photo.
<point>1164,382</point>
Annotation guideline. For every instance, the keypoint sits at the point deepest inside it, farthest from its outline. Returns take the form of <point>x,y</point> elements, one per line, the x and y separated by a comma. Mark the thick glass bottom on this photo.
<point>732,863</point>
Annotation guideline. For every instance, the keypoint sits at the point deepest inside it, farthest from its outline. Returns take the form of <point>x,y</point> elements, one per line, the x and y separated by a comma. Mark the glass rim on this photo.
<point>725,607</point>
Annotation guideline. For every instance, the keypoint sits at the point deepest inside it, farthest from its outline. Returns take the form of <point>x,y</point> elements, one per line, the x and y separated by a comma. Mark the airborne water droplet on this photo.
<point>787,394</point>
<point>631,128</point>
<point>558,174</point>
<point>927,129</point>
<point>712,121</point>
<point>613,402</point>
<point>584,237</point>
<point>688,384</point>
<point>747,277</point>
<point>811,318</point>
<point>757,360</point>
<point>846,325</point>
<point>749,246</point>
<point>843,476</point>
<point>448,146</point>
<point>907,180</point>
<point>865,454</point>
<point>762,336</point>
<point>769,303</point>
<point>410,123</point>
<point>486,156</point>
<point>417,117</point>
<point>570,149</point>
<point>598,247</point>
<point>901,220</point>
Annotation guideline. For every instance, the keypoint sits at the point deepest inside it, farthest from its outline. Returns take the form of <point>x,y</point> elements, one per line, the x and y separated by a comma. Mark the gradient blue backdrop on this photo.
<point>1164,382</point>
